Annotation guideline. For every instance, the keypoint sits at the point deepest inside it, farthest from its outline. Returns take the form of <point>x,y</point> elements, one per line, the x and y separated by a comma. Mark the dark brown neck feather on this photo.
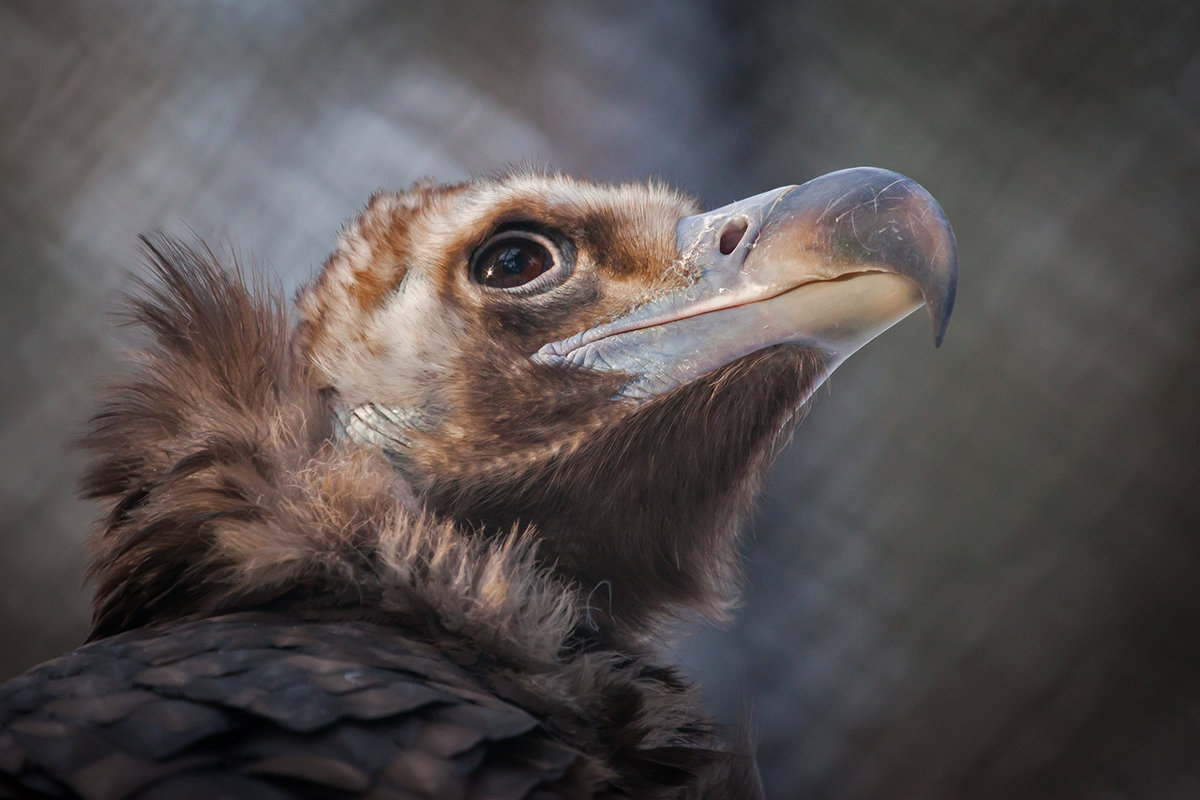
<point>647,530</point>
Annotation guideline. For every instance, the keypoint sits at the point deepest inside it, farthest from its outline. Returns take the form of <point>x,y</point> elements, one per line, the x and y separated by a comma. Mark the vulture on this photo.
<point>420,534</point>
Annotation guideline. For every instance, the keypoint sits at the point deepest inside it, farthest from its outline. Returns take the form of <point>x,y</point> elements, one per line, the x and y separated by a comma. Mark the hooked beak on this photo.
<point>828,265</point>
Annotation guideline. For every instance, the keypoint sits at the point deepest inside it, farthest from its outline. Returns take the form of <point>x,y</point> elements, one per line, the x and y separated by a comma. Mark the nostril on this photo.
<point>732,235</point>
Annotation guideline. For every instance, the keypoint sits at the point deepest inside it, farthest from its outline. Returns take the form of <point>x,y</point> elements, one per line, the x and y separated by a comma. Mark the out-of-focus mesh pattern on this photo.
<point>974,571</point>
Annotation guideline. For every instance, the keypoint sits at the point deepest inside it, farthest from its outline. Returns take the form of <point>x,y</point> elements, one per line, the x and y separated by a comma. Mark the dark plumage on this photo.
<point>420,545</point>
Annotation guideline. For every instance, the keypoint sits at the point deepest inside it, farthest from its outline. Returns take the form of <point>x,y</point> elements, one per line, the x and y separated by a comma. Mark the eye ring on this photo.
<point>517,261</point>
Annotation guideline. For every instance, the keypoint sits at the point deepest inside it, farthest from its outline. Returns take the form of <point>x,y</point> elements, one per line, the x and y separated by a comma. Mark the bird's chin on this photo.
<point>714,440</point>
<point>766,392</point>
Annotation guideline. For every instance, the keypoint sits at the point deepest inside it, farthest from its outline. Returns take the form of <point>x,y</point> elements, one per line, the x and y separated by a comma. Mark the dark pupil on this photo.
<point>510,264</point>
<point>513,261</point>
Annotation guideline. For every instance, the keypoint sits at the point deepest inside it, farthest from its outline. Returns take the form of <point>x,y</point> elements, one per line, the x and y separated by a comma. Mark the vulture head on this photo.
<point>604,365</point>
<point>418,544</point>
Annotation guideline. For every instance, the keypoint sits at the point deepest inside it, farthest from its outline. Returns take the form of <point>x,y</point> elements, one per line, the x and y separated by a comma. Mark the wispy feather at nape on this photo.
<point>226,489</point>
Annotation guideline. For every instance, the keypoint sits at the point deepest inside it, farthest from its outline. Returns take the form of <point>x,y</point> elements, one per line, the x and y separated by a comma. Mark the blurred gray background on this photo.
<point>975,570</point>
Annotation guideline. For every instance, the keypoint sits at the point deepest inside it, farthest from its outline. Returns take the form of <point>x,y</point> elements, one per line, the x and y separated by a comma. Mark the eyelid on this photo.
<point>548,279</point>
<point>516,233</point>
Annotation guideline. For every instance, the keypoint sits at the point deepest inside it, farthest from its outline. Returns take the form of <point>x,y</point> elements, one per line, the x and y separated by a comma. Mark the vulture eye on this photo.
<point>516,259</point>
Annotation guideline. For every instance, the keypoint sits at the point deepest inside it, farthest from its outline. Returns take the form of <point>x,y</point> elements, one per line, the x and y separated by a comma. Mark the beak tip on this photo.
<point>941,311</point>
<point>933,258</point>
<point>941,294</point>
